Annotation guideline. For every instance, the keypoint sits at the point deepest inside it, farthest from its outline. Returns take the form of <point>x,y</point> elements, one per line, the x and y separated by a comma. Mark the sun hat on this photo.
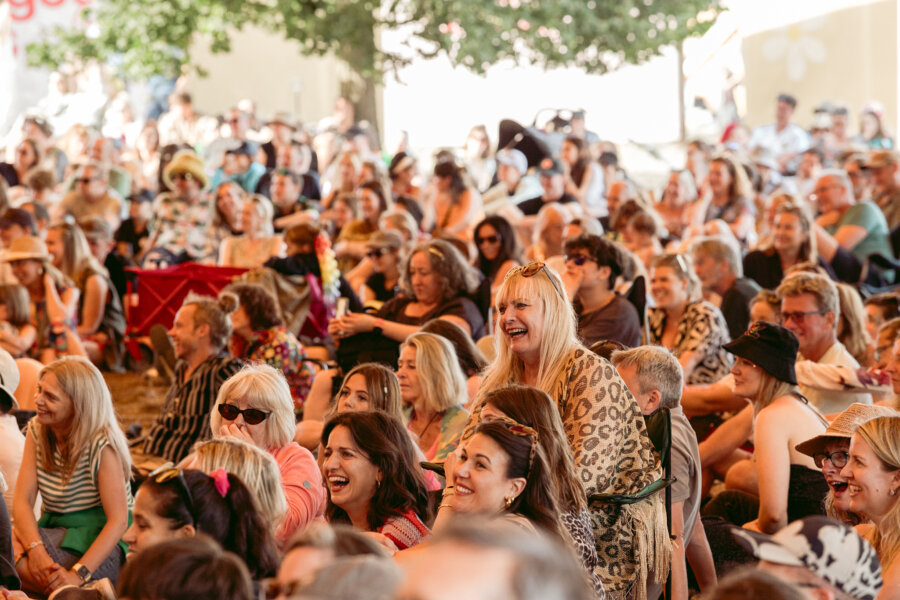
<point>770,347</point>
<point>764,157</point>
<point>27,247</point>
<point>385,239</point>
<point>513,158</point>
<point>845,425</point>
<point>9,380</point>
<point>829,549</point>
<point>186,161</point>
<point>882,158</point>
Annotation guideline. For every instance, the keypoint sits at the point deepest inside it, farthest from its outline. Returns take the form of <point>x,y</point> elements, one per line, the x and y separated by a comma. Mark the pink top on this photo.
<point>303,488</point>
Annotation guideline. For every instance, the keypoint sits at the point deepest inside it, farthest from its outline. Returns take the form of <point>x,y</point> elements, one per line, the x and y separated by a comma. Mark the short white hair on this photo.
<point>656,368</point>
<point>266,389</point>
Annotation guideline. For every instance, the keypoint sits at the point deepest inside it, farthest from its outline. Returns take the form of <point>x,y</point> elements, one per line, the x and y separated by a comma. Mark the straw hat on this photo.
<point>186,161</point>
<point>844,425</point>
<point>27,247</point>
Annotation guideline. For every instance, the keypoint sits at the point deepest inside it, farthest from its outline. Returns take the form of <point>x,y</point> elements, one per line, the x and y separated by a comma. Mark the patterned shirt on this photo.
<point>280,349</point>
<point>182,226</point>
<point>702,330</point>
<point>184,419</point>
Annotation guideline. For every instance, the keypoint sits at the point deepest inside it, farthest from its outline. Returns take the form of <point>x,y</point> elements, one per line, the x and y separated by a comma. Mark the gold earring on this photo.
<point>509,501</point>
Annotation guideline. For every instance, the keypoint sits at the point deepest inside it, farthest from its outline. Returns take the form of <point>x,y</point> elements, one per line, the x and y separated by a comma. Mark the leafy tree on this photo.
<point>147,37</point>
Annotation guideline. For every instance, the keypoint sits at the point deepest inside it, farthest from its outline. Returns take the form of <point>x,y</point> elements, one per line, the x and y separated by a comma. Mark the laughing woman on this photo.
<point>374,481</point>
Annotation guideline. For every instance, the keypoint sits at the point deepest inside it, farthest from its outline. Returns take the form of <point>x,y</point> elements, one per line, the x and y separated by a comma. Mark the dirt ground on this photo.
<point>136,400</point>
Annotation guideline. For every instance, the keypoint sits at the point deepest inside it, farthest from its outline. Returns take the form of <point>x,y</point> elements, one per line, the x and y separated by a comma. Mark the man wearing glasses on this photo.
<point>92,196</point>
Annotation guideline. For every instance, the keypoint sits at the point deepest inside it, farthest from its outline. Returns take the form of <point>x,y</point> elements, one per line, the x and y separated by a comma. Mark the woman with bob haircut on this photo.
<point>536,344</point>
<point>779,484</point>
<point>374,480</point>
<point>255,406</point>
<point>256,468</point>
<point>186,569</point>
<point>873,478</point>
<point>498,250</point>
<point>692,328</point>
<point>76,456</point>
<point>433,389</point>
<point>435,278</point>
<point>175,503</point>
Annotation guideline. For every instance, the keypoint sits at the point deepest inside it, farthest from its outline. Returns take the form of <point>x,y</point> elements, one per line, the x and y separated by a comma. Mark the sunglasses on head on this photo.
<point>532,269</point>
<point>185,176</point>
<point>252,416</point>
<point>375,253</point>
<point>490,239</point>
<point>169,472</point>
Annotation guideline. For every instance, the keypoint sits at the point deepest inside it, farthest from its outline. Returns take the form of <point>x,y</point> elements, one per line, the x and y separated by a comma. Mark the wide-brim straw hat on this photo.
<point>25,248</point>
<point>844,426</point>
<point>186,161</point>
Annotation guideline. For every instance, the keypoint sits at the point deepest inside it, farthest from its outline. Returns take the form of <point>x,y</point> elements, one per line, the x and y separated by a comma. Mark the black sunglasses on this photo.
<point>252,416</point>
<point>838,459</point>
<point>84,179</point>
<point>490,239</point>
<point>578,259</point>
<point>376,253</point>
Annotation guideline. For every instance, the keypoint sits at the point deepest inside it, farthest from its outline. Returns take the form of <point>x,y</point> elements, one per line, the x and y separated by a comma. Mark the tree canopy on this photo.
<point>146,37</point>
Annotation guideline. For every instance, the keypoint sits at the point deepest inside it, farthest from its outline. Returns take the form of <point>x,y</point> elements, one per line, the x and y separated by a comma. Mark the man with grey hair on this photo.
<point>845,224</point>
<point>655,379</point>
<point>718,265</point>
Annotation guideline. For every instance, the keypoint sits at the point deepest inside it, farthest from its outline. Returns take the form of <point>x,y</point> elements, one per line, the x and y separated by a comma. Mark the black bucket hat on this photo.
<point>770,347</point>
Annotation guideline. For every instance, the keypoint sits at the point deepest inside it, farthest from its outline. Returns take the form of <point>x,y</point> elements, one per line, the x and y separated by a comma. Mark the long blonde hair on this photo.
<point>770,389</point>
<point>93,414</point>
<point>851,326</point>
<point>559,337</point>
<point>883,437</point>
<point>77,261</point>
<point>440,376</point>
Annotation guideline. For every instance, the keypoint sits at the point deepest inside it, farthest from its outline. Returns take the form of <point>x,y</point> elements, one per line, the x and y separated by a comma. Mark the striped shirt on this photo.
<point>184,419</point>
<point>81,491</point>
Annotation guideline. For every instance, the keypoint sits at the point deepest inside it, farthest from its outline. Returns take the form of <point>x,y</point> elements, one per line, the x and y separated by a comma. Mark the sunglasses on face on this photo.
<point>490,239</point>
<point>185,176</point>
<point>84,180</point>
<point>252,416</point>
<point>376,253</point>
<point>838,459</point>
<point>578,259</point>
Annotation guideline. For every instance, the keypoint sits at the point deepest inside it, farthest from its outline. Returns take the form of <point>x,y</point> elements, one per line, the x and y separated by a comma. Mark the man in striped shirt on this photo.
<point>200,334</point>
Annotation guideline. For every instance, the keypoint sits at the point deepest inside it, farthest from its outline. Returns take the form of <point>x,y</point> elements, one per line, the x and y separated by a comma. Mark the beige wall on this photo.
<point>859,64</point>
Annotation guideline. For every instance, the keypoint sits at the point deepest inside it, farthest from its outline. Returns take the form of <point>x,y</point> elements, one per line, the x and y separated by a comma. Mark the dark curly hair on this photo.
<point>509,247</point>
<point>259,304</point>
<point>455,275</point>
<point>386,444</point>
<point>604,253</point>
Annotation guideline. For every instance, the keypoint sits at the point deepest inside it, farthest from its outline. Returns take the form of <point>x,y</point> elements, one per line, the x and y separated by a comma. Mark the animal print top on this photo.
<point>703,330</point>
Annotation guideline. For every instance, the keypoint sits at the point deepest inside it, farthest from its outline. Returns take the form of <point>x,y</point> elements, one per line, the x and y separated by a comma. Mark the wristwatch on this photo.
<point>82,571</point>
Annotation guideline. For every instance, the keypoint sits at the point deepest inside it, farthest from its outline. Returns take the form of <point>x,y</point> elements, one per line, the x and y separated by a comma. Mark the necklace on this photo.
<point>427,425</point>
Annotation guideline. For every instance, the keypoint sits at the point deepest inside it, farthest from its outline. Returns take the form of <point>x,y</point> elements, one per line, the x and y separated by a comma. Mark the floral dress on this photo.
<point>280,349</point>
<point>702,330</point>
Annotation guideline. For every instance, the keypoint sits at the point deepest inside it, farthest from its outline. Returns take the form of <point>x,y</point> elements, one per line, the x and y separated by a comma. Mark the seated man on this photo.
<point>553,181</point>
<point>239,166</point>
<point>719,267</point>
<point>200,334</point>
<point>513,182</point>
<point>92,196</point>
<point>654,377</point>
<point>592,266</point>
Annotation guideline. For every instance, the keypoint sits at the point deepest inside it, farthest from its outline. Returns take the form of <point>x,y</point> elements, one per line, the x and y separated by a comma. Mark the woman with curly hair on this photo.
<point>732,197</point>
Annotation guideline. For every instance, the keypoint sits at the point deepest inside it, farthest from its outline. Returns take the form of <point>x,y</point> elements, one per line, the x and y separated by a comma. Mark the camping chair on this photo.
<point>637,295</point>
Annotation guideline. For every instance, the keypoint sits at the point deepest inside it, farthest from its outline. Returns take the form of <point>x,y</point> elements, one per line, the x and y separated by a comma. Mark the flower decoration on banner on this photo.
<point>328,265</point>
<point>797,47</point>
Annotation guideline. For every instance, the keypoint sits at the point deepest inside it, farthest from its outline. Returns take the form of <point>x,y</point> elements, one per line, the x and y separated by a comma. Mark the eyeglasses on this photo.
<point>800,317</point>
<point>169,472</point>
<point>252,416</point>
<point>578,259</point>
<point>375,253</point>
<point>84,180</point>
<point>490,239</point>
<point>838,459</point>
<point>532,269</point>
<point>185,176</point>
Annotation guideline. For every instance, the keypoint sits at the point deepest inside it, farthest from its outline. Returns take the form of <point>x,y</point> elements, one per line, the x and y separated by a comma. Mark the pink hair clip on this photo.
<point>220,477</point>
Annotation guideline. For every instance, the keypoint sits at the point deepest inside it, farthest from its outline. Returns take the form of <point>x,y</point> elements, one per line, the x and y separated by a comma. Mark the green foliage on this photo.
<point>155,36</point>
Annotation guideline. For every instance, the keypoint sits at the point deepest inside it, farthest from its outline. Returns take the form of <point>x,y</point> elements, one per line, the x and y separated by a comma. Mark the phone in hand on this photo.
<point>342,306</point>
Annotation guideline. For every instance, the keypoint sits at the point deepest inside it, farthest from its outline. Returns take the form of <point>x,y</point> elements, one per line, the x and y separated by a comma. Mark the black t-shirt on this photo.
<point>375,282</point>
<point>533,206</point>
<point>127,234</point>
<point>617,321</point>
<point>736,305</point>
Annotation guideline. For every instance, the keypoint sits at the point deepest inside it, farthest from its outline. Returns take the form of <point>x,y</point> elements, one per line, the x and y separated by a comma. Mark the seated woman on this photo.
<point>498,250</point>
<point>433,389</point>
<point>435,279</point>
<point>259,336</point>
<point>533,408</point>
<point>373,202</point>
<point>693,329</point>
<point>780,484</point>
<point>374,481</point>
<point>547,238</point>
<point>873,478</point>
<point>173,503</point>
<point>255,406</point>
<point>101,318</point>
<point>256,468</point>
<point>471,360</point>
<point>53,298</point>
<point>228,222</point>
<point>384,252</point>
<point>830,451</point>
<point>258,242</point>
<point>77,457</point>
<point>731,199</point>
<point>17,334</point>
<point>451,205</point>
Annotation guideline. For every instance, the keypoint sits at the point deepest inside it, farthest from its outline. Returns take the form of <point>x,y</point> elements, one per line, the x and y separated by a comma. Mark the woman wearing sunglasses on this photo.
<point>537,345</point>
<point>77,458</point>
<point>255,406</point>
<point>384,253</point>
<point>779,484</point>
<point>374,479</point>
<point>830,451</point>
<point>174,503</point>
<point>498,250</point>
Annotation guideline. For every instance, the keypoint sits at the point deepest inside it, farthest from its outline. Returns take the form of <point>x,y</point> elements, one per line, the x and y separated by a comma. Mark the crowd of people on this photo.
<point>522,375</point>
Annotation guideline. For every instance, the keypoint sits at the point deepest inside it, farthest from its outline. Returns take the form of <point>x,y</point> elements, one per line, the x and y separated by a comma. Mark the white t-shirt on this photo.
<point>831,402</point>
<point>11,451</point>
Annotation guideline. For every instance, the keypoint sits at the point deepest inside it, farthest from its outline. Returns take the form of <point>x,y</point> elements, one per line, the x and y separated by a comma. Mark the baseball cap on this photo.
<point>829,549</point>
<point>551,166</point>
<point>513,158</point>
<point>243,148</point>
<point>385,239</point>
